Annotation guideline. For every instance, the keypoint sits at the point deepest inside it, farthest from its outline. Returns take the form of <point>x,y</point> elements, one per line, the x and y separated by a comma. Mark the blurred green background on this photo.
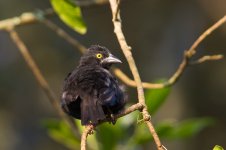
<point>158,31</point>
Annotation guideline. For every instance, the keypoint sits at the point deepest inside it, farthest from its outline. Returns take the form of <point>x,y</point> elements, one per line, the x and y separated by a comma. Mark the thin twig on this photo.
<point>123,77</point>
<point>24,18</point>
<point>206,33</point>
<point>192,50</point>
<point>129,110</point>
<point>128,54</point>
<point>88,130</point>
<point>40,78</point>
<point>64,35</point>
<point>206,58</point>
<point>155,135</point>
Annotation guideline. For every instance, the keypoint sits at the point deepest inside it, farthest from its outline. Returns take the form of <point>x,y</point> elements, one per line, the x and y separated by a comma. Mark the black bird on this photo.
<point>91,93</point>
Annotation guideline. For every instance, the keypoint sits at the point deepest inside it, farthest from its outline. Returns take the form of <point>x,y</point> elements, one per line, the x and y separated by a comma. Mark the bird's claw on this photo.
<point>91,129</point>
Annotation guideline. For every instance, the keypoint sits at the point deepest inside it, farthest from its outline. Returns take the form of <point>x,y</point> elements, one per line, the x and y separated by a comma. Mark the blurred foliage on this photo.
<point>127,134</point>
<point>155,98</point>
<point>217,147</point>
<point>61,132</point>
<point>70,14</point>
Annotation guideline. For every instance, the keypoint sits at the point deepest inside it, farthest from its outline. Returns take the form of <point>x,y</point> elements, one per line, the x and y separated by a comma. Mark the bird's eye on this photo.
<point>99,55</point>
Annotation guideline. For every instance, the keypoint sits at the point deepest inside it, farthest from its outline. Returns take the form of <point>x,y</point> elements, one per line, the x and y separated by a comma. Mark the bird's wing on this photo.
<point>110,95</point>
<point>71,104</point>
<point>70,100</point>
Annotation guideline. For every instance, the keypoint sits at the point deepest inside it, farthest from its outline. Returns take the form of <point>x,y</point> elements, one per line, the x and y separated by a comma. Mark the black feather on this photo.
<point>91,93</point>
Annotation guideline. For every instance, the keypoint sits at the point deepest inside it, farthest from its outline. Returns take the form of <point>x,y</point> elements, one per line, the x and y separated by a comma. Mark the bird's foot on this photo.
<point>91,129</point>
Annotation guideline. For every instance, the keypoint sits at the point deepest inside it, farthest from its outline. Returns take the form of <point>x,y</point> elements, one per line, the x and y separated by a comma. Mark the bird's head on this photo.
<point>99,55</point>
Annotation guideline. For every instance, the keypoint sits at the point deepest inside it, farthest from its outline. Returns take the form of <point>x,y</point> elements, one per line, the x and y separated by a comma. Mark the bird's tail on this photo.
<point>91,112</point>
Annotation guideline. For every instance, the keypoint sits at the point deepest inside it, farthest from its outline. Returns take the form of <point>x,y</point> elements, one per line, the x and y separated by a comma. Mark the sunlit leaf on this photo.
<point>155,98</point>
<point>70,14</point>
<point>217,147</point>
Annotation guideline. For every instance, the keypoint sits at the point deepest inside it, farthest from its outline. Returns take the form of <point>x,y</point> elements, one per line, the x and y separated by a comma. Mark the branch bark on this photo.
<point>128,54</point>
<point>88,130</point>
<point>25,18</point>
<point>192,50</point>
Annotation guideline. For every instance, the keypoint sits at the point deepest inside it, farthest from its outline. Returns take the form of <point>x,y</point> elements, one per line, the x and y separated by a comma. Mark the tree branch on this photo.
<point>41,80</point>
<point>25,18</point>
<point>123,77</point>
<point>128,54</point>
<point>88,130</point>
<point>192,50</point>
<point>207,58</point>
<point>60,32</point>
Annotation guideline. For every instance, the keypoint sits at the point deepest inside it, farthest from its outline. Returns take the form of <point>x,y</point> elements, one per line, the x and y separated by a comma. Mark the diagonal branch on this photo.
<point>40,79</point>
<point>206,33</point>
<point>60,32</point>
<point>88,130</point>
<point>192,50</point>
<point>128,54</point>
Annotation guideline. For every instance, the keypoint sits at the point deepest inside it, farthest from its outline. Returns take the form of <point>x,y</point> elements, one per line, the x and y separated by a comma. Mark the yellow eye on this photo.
<point>99,55</point>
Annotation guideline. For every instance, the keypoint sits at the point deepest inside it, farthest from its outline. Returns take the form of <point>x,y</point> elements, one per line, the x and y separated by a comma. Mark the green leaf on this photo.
<point>184,129</point>
<point>111,136</point>
<point>217,147</point>
<point>61,132</point>
<point>141,135</point>
<point>155,98</point>
<point>170,130</point>
<point>70,14</point>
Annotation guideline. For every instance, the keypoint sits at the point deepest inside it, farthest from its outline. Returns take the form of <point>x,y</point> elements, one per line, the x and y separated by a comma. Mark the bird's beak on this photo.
<point>111,59</point>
